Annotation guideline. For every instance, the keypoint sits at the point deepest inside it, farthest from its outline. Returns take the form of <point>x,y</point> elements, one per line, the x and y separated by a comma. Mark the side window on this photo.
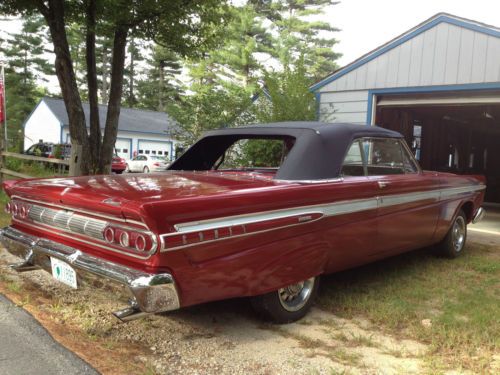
<point>408,161</point>
<point>378,157</point>
<point>353,161</point>
<point>384,157</point>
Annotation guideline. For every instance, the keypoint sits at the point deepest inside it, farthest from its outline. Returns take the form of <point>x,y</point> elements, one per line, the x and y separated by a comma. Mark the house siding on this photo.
<point>41,125</point>
<point>445,54</point>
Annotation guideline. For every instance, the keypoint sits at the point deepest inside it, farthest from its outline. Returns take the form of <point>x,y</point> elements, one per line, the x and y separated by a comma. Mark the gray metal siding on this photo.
<point>443,55</point>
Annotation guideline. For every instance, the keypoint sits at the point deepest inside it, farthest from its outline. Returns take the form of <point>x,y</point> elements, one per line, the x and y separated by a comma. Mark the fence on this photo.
<point>8,172</point>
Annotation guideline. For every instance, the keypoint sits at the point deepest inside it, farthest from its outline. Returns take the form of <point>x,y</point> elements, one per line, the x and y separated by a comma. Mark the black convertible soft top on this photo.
<point>318,151</point>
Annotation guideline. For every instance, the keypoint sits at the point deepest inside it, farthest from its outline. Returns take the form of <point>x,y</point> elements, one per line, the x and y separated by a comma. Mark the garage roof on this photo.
<point>131,119</point>
<point>424,26</point>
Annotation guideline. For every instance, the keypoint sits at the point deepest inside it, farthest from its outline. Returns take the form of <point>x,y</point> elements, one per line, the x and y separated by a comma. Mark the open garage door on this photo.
<point>451,133</point>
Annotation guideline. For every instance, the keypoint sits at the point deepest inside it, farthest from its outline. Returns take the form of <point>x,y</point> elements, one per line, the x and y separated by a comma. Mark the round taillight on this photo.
<point>124,239</point>
<point>8,207</point>
<point>109,235</point>
<point>14,209</point>
<point>140,243</point>
<point>23,212</point>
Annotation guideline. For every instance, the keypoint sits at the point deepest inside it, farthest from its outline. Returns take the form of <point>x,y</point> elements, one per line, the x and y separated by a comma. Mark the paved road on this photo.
<point>26,348</point>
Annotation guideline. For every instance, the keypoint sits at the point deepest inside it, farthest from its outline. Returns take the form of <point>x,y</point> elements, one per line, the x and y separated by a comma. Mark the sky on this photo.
<point>367,24</point>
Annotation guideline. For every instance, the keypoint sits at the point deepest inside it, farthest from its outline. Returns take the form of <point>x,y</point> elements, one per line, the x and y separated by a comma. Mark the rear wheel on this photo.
<point>146,169</point>
<point>287,304</point>
<point>453,244</point>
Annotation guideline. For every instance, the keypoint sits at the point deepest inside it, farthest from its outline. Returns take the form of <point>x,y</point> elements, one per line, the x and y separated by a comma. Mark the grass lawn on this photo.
<point>458,300</point>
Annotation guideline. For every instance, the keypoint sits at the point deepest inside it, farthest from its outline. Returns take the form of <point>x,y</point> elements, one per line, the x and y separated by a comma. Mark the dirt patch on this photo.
<point>217,338</point>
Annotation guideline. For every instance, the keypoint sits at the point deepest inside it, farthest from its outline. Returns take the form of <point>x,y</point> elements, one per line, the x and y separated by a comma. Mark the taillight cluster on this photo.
<point>128,238</point>
<point>18,209</point>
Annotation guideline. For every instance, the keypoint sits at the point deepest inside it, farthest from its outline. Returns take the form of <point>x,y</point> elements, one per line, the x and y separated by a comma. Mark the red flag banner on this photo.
<point>2,97</point>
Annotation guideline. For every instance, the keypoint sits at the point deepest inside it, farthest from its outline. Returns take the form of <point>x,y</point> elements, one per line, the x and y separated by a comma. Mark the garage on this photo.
<point>152,147</point>
<point>449,133</point>
<point>123,147</point>
<point>439,85</point>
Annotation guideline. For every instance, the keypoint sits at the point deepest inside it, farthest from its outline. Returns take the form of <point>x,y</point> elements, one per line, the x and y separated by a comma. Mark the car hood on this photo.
<point>102,192</point>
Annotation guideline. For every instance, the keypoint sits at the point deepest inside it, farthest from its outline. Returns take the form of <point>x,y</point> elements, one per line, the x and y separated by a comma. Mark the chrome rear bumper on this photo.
<point>153,293</point>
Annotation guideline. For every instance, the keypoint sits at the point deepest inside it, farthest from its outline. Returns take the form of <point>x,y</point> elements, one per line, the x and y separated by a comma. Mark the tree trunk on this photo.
<point>95,128</point>
<point>160,86</point>
<point>105,74</point>
<point>115,95</point>
<point>131,99</point>
<point>54,16</point>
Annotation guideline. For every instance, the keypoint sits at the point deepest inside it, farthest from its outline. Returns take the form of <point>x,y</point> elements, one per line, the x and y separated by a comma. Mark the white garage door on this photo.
<point>158,148</point>
<point>122,147</point>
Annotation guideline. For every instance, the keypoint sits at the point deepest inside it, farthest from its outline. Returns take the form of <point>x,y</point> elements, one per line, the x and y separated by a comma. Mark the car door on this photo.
<point>352,227</point>
<point>134,164</point>
<point>408,199</point>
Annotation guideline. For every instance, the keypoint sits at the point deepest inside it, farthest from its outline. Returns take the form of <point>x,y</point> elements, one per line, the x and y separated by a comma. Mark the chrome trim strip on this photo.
<point>152,292</point>
<point>86,212</point>
<point>231,221</point>
<point>329,209</point>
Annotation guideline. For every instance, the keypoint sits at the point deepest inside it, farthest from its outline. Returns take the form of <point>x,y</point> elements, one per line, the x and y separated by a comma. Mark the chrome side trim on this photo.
<point>196,226</point>
<point>326,210</point>
<point>152,292</point>
<point>86,212</point>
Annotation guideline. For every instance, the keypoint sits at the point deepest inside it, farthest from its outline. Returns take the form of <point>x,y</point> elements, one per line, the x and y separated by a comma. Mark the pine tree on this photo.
<point>301,34</point>
<point>161,85</point>
<point>135,55</point>
<point>245,38</point>
<point>26,64</point>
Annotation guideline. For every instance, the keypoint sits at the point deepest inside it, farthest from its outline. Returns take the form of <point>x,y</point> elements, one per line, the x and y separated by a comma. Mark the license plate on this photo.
<point>63,272</point>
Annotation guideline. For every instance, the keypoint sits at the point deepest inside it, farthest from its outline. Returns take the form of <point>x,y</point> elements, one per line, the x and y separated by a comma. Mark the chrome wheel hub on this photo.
<point>458,234</point>
<point>294,297</point>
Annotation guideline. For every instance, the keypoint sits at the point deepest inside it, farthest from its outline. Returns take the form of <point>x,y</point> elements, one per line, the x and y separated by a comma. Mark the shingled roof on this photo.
<point>131,119</point>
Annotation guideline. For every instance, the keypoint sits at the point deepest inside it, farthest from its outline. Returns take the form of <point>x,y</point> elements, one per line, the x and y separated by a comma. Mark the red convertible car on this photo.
<point>260,211</point>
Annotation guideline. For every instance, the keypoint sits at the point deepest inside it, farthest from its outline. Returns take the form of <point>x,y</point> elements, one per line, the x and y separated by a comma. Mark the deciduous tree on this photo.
<point>184,26</point>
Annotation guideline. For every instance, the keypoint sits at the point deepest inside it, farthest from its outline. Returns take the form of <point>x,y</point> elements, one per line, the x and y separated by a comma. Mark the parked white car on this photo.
<point>146,164</point>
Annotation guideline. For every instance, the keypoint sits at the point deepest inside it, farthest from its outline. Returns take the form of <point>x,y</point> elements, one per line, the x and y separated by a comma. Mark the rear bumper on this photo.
<point>118,167</point>
<point>153,293</point>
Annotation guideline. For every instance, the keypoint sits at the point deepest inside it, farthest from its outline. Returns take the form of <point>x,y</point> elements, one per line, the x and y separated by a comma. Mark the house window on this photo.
<point>160,152</point>
<point>141,151</point>
<point>125,150</point>
<point>147,152</point>
<point>153,152</point>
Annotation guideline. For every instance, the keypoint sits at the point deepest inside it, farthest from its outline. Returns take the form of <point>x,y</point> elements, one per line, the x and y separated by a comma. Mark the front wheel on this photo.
<point>287,304</point>
<point>453,244</point>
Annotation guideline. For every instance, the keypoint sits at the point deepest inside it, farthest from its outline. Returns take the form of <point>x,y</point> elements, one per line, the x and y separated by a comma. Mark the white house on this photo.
<point>439,85</point>
<point>139,131</point>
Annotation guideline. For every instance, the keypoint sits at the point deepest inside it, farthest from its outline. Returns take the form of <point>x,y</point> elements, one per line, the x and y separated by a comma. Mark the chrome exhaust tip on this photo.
<point>132,312</point>
<point>24,267</point>
<point>478,216</point>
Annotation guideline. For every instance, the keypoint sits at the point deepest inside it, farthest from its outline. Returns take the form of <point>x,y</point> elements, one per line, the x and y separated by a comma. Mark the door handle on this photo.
<point>382,184</point>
